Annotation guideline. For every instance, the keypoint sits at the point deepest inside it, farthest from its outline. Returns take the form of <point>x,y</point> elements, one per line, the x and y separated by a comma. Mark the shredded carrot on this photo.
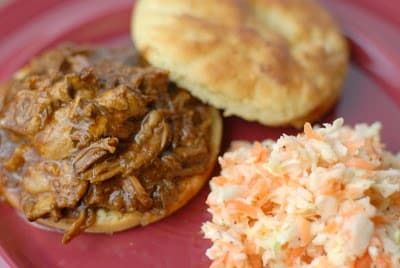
<point>352,146</point>
<point>353,211</point>
<point>331,187</point>
<point>220,180</point>
<point>226,162</point>
<point>310,133</point>
<point>241,207</point>
<point>304,230</point>
<point>325,263</point>
<point>267,207</point>
<point>255,261</point>
<point>229,263</point>
<point>382,261</point>
<point>383,219</point>
<point>331,227</point>
<point>293,254</point>
<point>363,262</point>
<point>395,198</point>
<point>251,247</point>
<point>259,188</point>
<point>260,151</point>
<point>359,163</point>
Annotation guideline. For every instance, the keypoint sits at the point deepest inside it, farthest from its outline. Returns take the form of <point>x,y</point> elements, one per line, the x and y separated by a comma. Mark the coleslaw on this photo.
<point>328,197</point>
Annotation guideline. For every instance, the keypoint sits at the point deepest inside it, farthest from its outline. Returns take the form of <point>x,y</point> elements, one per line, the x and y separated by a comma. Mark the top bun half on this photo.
<point>278,62</point>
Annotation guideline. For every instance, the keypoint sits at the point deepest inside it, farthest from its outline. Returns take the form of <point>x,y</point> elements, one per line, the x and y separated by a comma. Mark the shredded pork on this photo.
<point>87,128</point>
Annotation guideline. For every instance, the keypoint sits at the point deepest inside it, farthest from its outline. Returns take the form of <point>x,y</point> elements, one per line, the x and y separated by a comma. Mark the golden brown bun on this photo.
<point>278,62</point>
<point>114,221</point>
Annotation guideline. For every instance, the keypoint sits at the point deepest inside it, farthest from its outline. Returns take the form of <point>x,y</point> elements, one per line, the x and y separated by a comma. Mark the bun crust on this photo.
<point>113,221</point>
<point>278,62</point>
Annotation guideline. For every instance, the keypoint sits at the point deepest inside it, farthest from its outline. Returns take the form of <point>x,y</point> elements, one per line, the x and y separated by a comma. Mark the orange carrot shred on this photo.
<point>382,261</point>
<point>255,261</point>
<point>220,180</point>
<point>359,163</point>
<point>304,230</point>
<point>354,145</point>
<point>330,228</point>
<point>293,255</point>
<point>383,219</point>
<point>241,207</point>
<point>260,151</point>
<point>310,133</point>
<point>363,262</point>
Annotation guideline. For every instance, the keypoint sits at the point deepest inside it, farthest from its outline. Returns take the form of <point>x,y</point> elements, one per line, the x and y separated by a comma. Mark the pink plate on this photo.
<point>372,93</point>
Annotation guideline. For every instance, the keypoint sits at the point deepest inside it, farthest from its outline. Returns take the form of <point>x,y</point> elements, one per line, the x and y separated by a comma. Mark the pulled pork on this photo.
<point>84,128</point>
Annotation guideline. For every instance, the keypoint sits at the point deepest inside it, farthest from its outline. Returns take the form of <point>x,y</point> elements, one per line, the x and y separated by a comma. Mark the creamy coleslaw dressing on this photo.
<point>328,197</point>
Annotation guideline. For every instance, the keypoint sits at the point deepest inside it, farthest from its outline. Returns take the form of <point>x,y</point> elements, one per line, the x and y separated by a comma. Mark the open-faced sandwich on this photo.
<point>93,140</point>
